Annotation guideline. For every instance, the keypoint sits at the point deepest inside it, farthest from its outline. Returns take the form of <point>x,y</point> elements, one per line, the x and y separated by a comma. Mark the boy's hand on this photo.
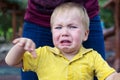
<point>27,45</point>
<point>113,76</point>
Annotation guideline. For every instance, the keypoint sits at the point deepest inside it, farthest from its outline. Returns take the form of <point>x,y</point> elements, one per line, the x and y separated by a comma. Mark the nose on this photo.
<point>65,32</point>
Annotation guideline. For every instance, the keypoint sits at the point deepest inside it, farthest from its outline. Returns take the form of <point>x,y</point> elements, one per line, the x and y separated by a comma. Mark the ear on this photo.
<point>86,35</point>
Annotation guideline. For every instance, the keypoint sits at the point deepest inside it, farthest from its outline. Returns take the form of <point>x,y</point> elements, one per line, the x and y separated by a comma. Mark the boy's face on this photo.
<point>68,32</point>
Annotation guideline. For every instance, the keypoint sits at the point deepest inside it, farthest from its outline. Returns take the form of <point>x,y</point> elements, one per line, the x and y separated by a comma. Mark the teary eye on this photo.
<point>72,27</point>
<point>58,27</point>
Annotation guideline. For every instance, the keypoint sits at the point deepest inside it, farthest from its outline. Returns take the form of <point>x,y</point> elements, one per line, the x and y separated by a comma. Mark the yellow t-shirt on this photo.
<point>50,64</point>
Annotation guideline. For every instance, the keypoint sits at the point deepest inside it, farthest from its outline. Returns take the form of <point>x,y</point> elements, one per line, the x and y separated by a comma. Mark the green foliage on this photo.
<point>6,20</point>
<point>1,32</point>
<point>106,14</point>
<point>9,34</point>
<point>5,24</point>
<point>107,17</point>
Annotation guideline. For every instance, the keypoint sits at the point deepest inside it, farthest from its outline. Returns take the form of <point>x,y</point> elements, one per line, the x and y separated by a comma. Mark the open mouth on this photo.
<point>65,42</point>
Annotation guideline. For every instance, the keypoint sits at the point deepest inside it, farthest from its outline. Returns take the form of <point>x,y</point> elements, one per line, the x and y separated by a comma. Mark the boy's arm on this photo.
<point>114,76</point>
<point>15,55</point>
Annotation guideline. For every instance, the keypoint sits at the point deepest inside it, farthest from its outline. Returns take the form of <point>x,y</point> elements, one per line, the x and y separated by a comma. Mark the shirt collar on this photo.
<point>81,52</point>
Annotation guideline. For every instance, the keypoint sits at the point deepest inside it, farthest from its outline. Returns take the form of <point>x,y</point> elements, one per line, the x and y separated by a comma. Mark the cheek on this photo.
<point>78,37</point>
<point>55,37</point>
<point>55,34</point>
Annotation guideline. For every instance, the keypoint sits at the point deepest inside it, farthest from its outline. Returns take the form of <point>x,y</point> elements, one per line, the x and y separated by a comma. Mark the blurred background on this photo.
<point>11,21</point>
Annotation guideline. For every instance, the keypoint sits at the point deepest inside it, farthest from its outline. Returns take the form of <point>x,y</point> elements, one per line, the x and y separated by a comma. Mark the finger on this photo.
<point>22,42</point>
<point>16,40</point>
<point>33,52</point>
<point>32,47</point>
<point>28,45</point>
<point>34,55</point>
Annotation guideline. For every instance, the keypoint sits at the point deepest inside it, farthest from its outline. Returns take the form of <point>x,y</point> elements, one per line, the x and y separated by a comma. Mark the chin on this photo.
<point>66,48</point>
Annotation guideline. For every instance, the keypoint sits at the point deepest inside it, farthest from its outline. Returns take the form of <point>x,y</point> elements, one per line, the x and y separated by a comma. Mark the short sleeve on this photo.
<point>102,69</point>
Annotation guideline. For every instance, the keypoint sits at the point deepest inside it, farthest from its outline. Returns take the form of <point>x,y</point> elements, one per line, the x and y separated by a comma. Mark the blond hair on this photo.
<point>68,7</point>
